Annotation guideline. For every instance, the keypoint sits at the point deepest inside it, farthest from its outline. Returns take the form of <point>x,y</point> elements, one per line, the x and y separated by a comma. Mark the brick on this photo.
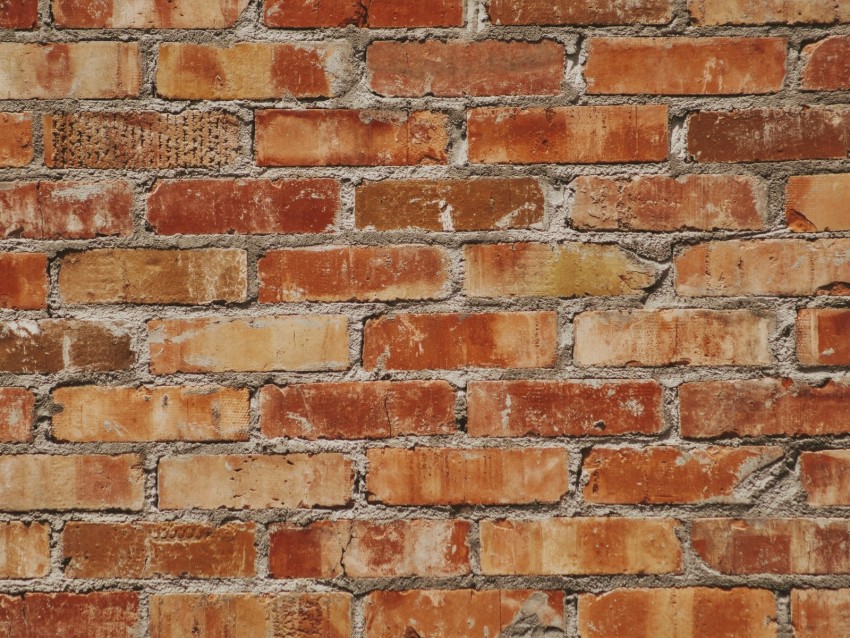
<point>17,415</point>
<point>441,476</point>
<point>290,615</point>
<point>23,281</point>
<point>685,66</point>
<point>387,14</point>
<point>665,474</point>
<point>81,70</point>
<point>250,206</point>
<point>295,342</point>
<point>370,549</point>
<point>697,612</point>
<point>78,482</point>
<point>769,135</point>
<point>147,14</point>
<point>824,476</point>
<point>24,550</point>
<point>18,14</point>
<point>711,12</point>
<point>111,614</point>
<point>568,135</point>
<point>156,550</point>
<point>781,267</point>
<point>563,408</point>
<point>826,65</point>
<point>673,337</point>
<point>251,70</point>
<point>456,68</point>
<point>54,345</point>
<point>140,140</point>
<point>65,210</point>
<point>461,613</point>
<point>336,137</point>
<point>580,546</point>
<point>572,269</point>
<point>175,413</point>
<point>153,276</point>
<point>15,139</point>
<point>773,546</point>
<point>822,337</point>
<point>255,481</point>
<point>354,273</point>
<point>816,203</point>
<point>659,203</point>
<point>764,407</point>
<point>356,410</point>
<point>819,612</point>
<point>580,12</point>
<point>454,341</point>
<point>450,205</point>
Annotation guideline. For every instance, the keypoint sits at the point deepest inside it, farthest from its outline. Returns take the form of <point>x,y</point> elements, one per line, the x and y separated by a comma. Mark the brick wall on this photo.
<point>424,319</point>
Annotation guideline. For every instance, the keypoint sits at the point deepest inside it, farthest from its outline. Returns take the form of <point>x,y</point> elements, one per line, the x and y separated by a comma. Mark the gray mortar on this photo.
<point>773,491</point>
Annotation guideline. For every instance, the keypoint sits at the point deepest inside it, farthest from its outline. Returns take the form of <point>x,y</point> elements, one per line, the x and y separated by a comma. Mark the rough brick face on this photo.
<point>15,139</point>
<point>19,14</point>
<point>17,409</point>
<point>822,337</point>
<point>711,12</point>
<point>815,203</point>
<point>147,14</point>
<point>23,281</point>
<point>590,12</point>
<point>25,550</point>
<point>827,66</point>
<point>112,614</point>
<point>825,478</point>
<point>304,14</point>
<point>819,612</point>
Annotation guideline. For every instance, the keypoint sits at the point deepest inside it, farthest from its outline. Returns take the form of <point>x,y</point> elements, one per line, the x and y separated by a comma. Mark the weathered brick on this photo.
<point>176,413</point>
<point>17,413</point>
<point>452,341</point>
<point>685,66</point>
<point>665,474</point>
<point>580,546</point>
<point>673,337</point>
<point>370,549</point>
<point>387,14</point>
<point>251,70</point>
<point>815,203</point>
<point>450,205</point>
<point>442,476</point>
<point>24,550</point>
<point>354,273</point>
<point>326,137</point>
<point>81,70</point>
<point>659,203</point>
<point>822,337</point>
<point>15,139</point>
<point>696,612</point>
<point>711,12</point>
<point>561,270</point>
<point>18,14</point>
<point>147,14</point>
<point>295,342</point>
<point>252,206</point>
<point>255,481</point>
<point>825,476</point>
<point>816,613</point>
<point>23,281</point>
<point>110,614</point>
<point>827,65</point>
<point>357,410</point>
<point>580,12</point>
<point>155,550</point>
<point>153,276</point>
<point>79,482</point>
<point>457,68</point>
<point>568,135</point>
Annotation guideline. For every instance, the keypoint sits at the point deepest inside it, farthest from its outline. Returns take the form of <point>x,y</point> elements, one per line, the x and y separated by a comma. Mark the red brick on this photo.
<point>23,281</point>
<point>211,344</point>
<point>454,341</point>
<point>305,14</point>
<point>685,66</point>
<point>461,613</point>
<point>659,203</point>
<point>442,476</point>
<point>17,414</point>
<point>255,481</point>
<point>354,273</point>
<point>711,12</point>
<point>825,476</point>
<point>370,549</point>
<point>290,615</point>
<point>816,613</point>
<point>449,205</point>
<point>563,408</point>
<point>24,550</point>
<point>456,68</point>
<point>326,137</point>
<point>147,14</point>
<point>175,413</point>
<point>112,614</point>
<point>77,482</point>
<point>663,474</point>
<point>155,550</point>
<point>673,337</point>
<point>580,12</point>
<point>764,407</point>
<point>580,546</point>
<point>769,135</point>
<point>568,135</point>
<point>696,612</point>
<point>252,206</point>
<point>15,139</point>
<point>18,14</point>
<point>822,337</point>
<point>827,67</point>
<point>356,410</point>
<point>815,203</point>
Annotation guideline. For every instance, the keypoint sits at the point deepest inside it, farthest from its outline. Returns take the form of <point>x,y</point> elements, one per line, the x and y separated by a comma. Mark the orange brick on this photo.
<point>19,14</point>
<point>112,614</point>
<point>15,139</point>
<point>822,337</point>
<point>711,12</point>
<point>826,65</point>
<point>568,135</point>
<point>825,476</point>
<point>24,550</point>
<point>815,203</point>
<point>819,612</point>
<point>17,414</point>
<point>147,14</point>
<point>255,481</point>
<point>23,281</point>
<point>441,476</point>
<point>305,14</point>
<point>580,12</point>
